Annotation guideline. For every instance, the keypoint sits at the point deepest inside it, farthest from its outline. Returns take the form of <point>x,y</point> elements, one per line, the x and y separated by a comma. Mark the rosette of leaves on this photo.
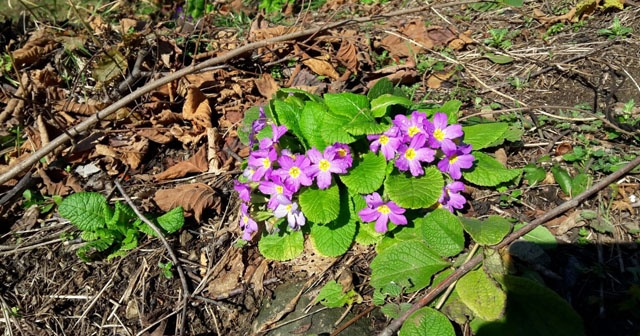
<point>108,230</point>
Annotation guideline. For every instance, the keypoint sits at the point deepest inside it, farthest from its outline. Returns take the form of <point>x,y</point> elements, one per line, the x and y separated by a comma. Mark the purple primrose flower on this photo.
<point>451,198</point>
<point>411,156</point>
<point>294,171</point>
<point>443,135</point>
<point>388,142</point>
<point>277,190</point>
<point>295,217</point>
<point>324,164</point>
<point>248,225</point>
<point>278,131</point>
<point>262,162</point>
<point>342,152</point>
<point>409,127</point>
<point>257,126</point>
<point>243,189</point>
<point>455,160</point>
<point>381,212</point>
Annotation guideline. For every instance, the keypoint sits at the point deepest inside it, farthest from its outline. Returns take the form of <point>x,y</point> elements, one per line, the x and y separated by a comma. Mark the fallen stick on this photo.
<point>89,122</point>
<point>472,263</point>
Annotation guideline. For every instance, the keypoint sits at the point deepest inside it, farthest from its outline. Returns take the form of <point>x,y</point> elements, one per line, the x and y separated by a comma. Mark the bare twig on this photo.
<point>89,122</point>
<point>471,264</point>
<point>172,255</point>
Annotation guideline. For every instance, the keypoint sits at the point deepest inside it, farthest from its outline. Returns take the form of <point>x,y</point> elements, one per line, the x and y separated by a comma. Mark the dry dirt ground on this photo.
<point>562,82</point>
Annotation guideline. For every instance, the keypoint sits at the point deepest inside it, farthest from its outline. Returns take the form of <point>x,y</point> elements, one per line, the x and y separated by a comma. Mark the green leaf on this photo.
<point>346,104</point>
<point>540,235</point>
<point>427,321</point>
<point>442,231</point>
<point>85,210</point>
<point>332,129</point>
<point>310,122</point>
<point>335,238</point>
<point>580,183</point>
<point>563,179</point>
<point>282,246</point>
<point>514,3</point>
<point>408,264</point>
<point>347,112</point>
<point>488,232</point>
<point>366,175</point>
<point>289,115</point>
<point>381,87</point>
<point>364,123</point>
<point>130,240</point>
<point>172,221</point>
<point>407,233</point>
<point>488,172</point>
<point>415,192</point>
<point>394,310</point>
<point>381,104</point>
<point>320,206</point>
<point>534,174</point>
<point>482,295</point>
<point>498,59</point>
<point>250,116</point>
<point>332,295</point>
<point>481,135</point>
<point>533,310</point>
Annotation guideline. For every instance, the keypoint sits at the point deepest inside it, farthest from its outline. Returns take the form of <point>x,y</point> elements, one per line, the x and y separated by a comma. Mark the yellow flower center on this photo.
<point>342,152</point>
<point>438,134</point>
<point>324,165</point>
<point>413,130</point>
<point>383,209</point>
<point>280,189</point>
<point>245,220</point>
<point>289,207</point>
<point>294,172</point>
<point>384,140</point>
<point>410,154</point>
<point>453,159</point>
<point>266,163</point>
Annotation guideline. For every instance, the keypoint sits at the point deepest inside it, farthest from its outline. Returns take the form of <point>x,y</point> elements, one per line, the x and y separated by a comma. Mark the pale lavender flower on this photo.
<point>323,164</point>
<point>243,189</point>
<point>248,225</point>
<point>412,155</point>
<point>455,160</point>
<point>277,190</point>
<point>262,162</point>
<point>443,135</point>
<point>294,171</point>
<point>381,212</point>
<point>278,131</point>
<point>388,142</point>
<point>451,198</point>
<point>248,173</point>
<point>295,217</point>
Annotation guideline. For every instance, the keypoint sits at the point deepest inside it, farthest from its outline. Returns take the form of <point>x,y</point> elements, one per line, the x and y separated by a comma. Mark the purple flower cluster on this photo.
<point>280,174</point>
<point>410,141</point>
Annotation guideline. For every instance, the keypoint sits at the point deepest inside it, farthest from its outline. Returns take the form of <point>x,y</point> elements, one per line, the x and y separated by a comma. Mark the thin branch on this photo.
<point>471,264</point>
<point>89,122</point>
<point>172,255</point>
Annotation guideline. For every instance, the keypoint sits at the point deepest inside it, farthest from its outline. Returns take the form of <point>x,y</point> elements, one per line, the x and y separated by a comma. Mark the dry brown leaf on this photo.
<point>38,45</point>
<point>267,86</point>
<point>195,164</point>
<point>166,117</point>
<point>321,67</point>
<point>194,198</point>
<point>501,156</point>
<point>549,20</point>
<point>348,55</point>
<point>311,262</point>
<point>186,136</point>
<point>570,222</point>
<point>228,280</point>
<point>435,80</point>
<point>133,153</point>
<point>156,135</point>
<point>196,109</point>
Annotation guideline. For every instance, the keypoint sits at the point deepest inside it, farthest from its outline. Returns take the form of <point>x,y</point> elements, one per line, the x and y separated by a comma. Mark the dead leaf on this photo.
<point>229,279</point>
<point>155,135</point>
<point>348,55</point>
<point>501,156</point>
<point>196,109</point>
<point>165,118</point>
<point>549,20</point>
<point>437,78</point>
<point>573,220</point>
<point>195,164</point>
<point>266,85</point>
<point>321,67</point>
<point>195,198</point>
<point>38,45</point>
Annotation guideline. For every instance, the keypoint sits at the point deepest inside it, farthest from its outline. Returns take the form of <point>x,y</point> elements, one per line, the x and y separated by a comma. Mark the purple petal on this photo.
<point>381,223</point>
<point>368,215</point>
<point>373,200</point>
<point>397,219</point>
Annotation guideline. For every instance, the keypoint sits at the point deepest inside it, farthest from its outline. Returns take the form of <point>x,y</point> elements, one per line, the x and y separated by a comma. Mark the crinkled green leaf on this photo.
<point>244,130</point>
<point>481,135</point>
<point>534,174</point>
<point>381,87</point>
<point>289,115</point>
<point>172,221</point>
<point>332,295</point>
<point>320,205</point>
<point>488,232</point>
<point>427,321</point>
<point>335,238</point>
<point>364,123</point>
<point>366,175</point>
<point>381,104</point>
<point>332,129</point>
<point>415,192</point>
<point>85,210</point>
<point>394,310</point>
<point>540,235</point>
<point>442,231</point>
<point>482,295</point>
<point>282,246</point>
<point>408,264</point>
<point>311,121</point>
<point>487,171</point>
